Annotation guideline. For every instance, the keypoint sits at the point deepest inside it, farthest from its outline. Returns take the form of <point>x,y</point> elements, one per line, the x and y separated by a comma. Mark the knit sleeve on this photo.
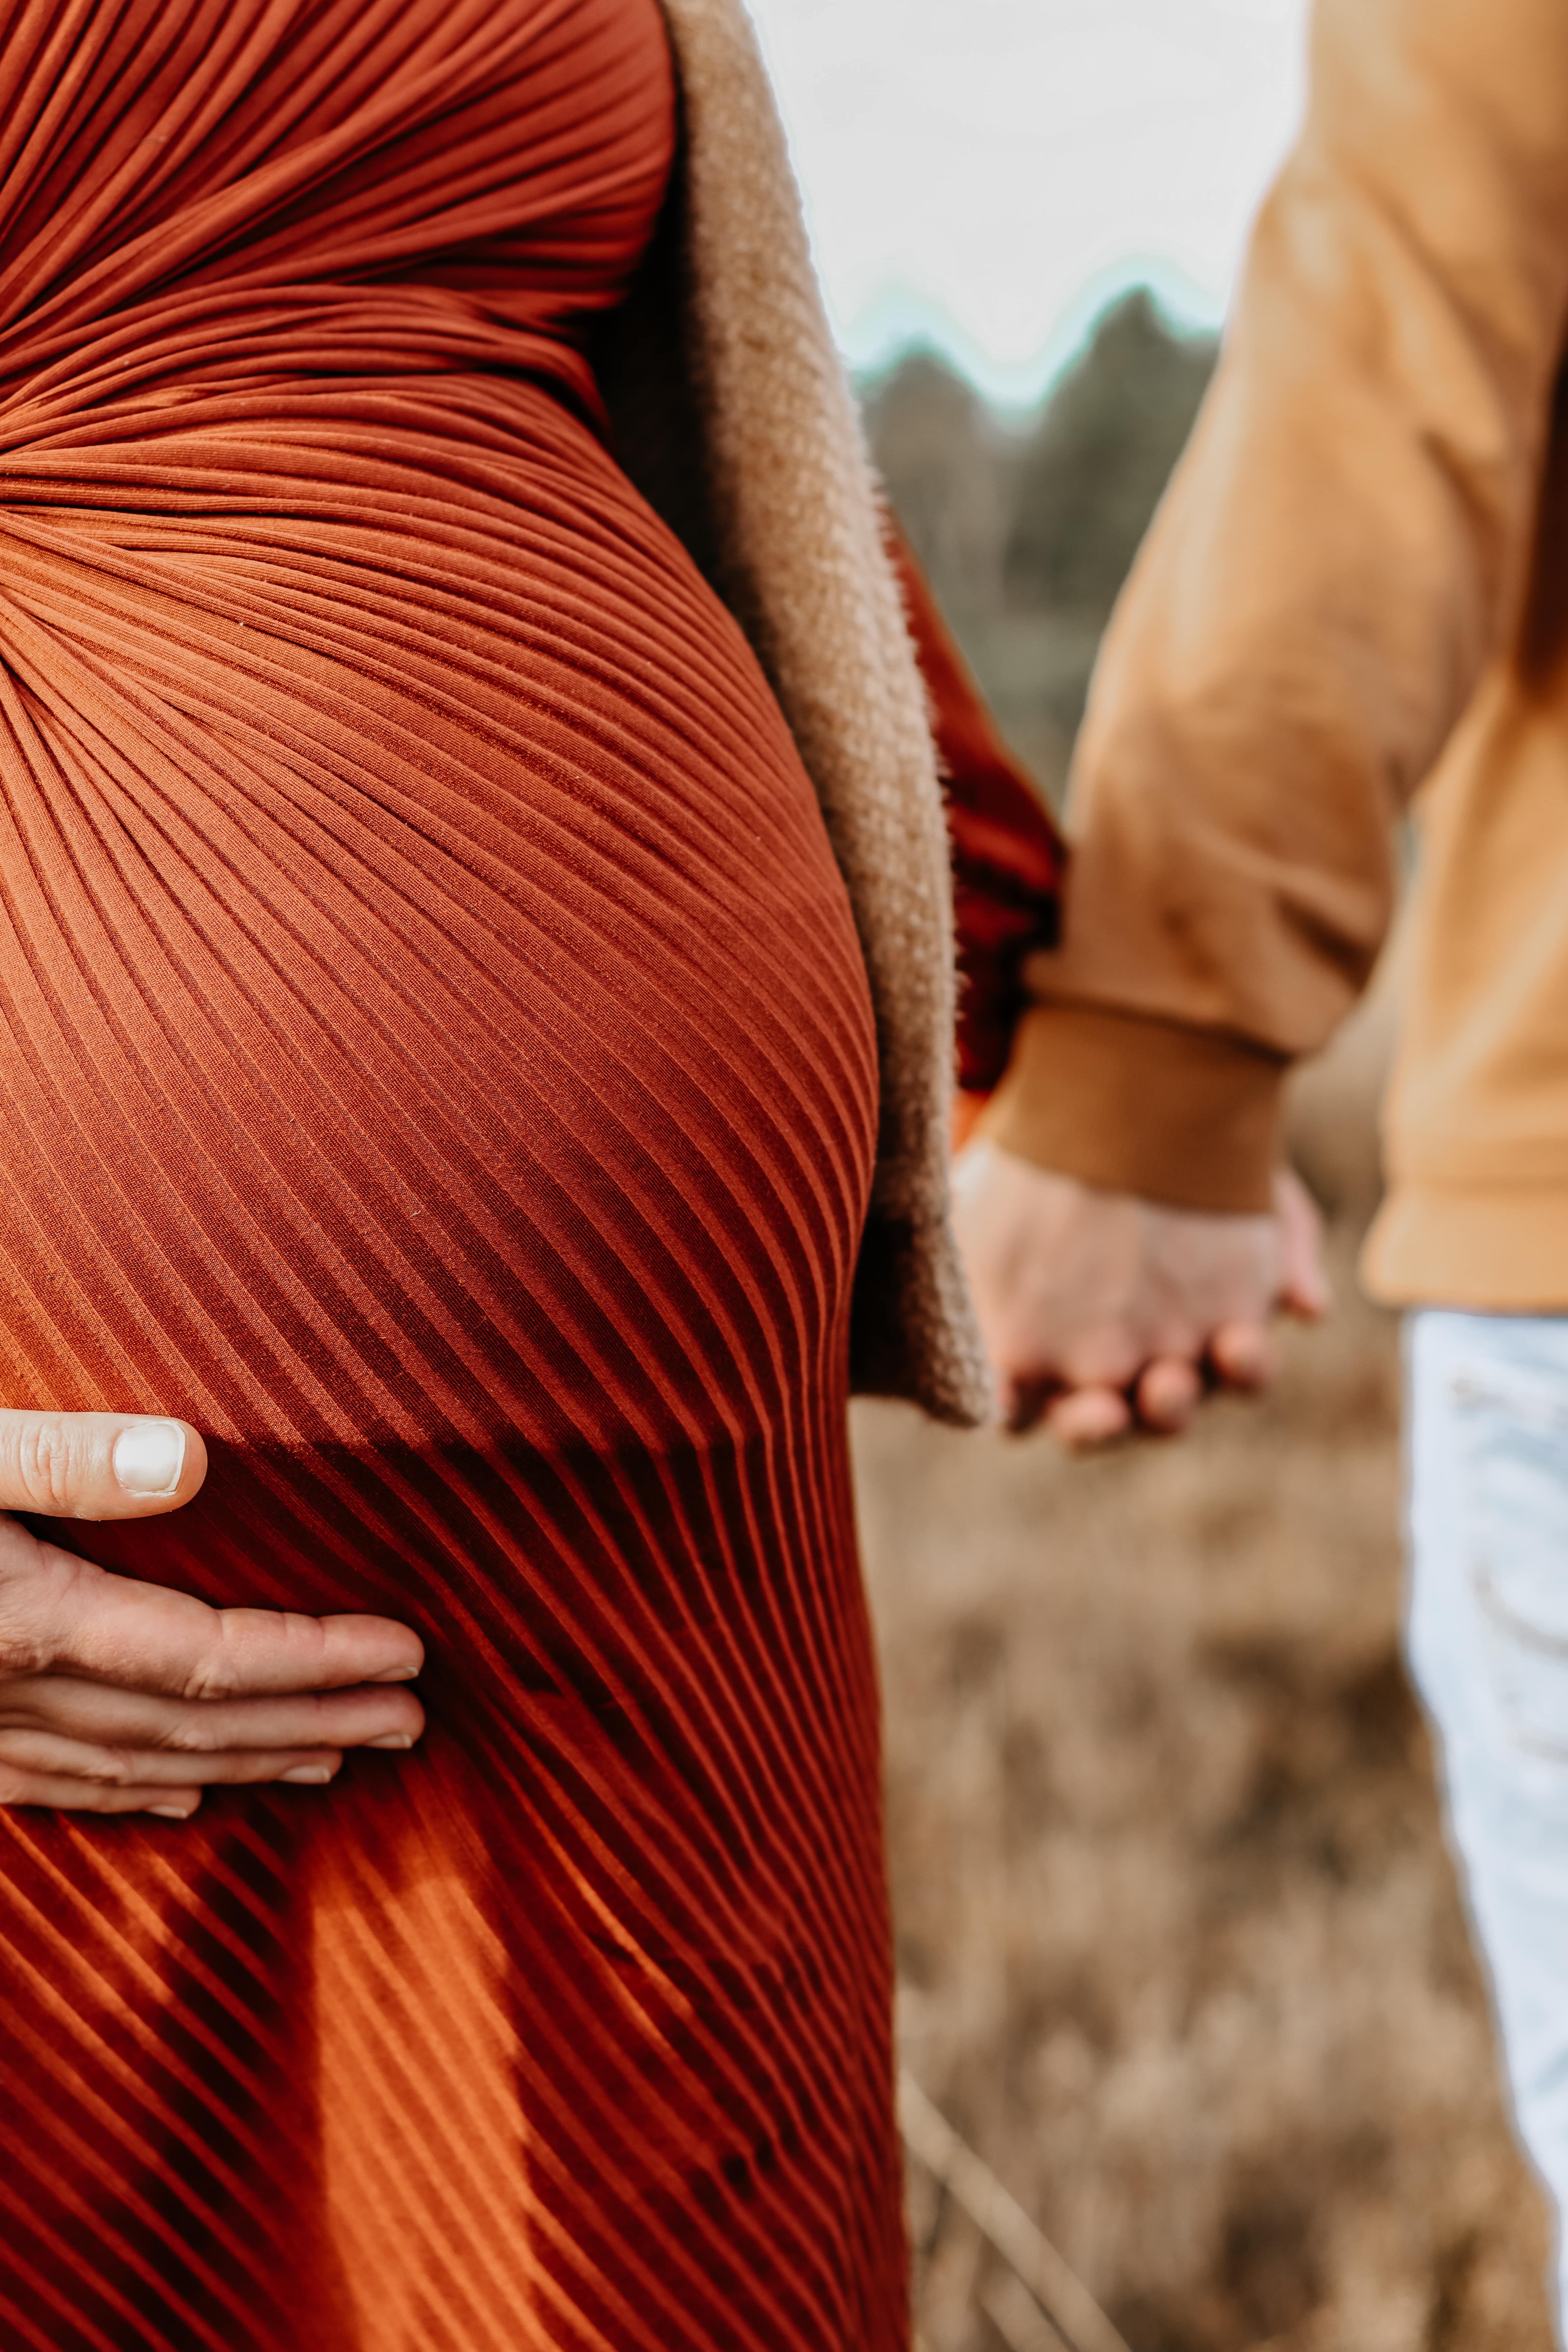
<point>1342,552</point>
<point>1007,855</point>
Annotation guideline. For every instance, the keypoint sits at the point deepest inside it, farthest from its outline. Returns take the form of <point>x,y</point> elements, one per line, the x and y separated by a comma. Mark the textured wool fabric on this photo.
<point>438,1061</point>
<point>733,413</point>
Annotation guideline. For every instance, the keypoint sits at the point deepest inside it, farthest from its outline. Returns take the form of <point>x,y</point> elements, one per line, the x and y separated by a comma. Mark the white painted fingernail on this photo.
<point>310,1775</point>
<point>392,1739</point>
<point>171,1812</point>
<point>149,1457</point>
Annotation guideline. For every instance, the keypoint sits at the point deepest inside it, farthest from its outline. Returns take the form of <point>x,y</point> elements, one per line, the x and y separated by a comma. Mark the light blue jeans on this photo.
<point>1488,1439</point>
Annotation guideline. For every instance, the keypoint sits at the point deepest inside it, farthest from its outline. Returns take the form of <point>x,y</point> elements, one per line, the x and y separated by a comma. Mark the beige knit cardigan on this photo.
<point>733,416</point>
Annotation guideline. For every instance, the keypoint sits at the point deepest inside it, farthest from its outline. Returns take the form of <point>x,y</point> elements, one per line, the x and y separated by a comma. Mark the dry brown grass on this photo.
<point>1179,1943</point>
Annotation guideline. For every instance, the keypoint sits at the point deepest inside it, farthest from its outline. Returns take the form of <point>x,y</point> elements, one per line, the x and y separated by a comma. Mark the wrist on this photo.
<point>1128,1102</point>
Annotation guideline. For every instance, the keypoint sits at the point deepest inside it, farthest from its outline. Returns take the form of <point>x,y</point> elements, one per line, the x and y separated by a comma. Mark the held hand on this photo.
<point>117,1697</point>
<point>1100,1310</point>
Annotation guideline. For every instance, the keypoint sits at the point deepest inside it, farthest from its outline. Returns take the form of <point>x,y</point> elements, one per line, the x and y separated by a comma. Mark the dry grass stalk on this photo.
<point>1075,2319</point>
<point>1017,2318</point>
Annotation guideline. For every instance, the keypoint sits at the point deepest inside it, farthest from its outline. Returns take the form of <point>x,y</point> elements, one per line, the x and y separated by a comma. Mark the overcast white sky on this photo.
<point>987,171</point>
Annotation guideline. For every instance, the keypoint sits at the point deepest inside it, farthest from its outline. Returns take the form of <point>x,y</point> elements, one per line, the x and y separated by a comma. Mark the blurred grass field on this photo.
<point>1180,1948</point>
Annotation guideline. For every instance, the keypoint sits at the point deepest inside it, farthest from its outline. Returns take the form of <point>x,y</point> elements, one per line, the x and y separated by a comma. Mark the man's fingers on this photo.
<point>1303,1284</point>
<point>96,1465</point>
<point>70,1708</point>
<point>67,1615</point>
<point>40,1752</point>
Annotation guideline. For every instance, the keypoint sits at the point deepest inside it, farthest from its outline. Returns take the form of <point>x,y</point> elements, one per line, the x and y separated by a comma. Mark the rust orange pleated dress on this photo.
<point>436,1059</point>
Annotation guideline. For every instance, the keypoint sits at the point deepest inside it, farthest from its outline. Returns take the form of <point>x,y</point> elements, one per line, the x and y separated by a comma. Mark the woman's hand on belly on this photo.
<point>117,1697</point>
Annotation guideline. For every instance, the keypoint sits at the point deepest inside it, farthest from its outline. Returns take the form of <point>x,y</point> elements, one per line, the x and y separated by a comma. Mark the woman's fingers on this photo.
<point>59,1613</point>
<point>98,1465</point>
<point>1086,1417</point>
<point>85,1746</point>
<point>1242,1354</point>
<point>42,1753</point>
<point>70,1708</point>
<point>1168,1392</point>
<point>117,1697</point>
<point>1163,1398</point>
<point>63,1793</point>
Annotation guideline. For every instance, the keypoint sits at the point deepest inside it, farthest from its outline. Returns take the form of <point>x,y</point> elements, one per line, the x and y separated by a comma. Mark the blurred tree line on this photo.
<point>1026,526</point>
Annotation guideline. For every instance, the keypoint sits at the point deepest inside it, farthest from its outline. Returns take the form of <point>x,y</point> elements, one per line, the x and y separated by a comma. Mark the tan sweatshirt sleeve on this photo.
<point>1340,554</point>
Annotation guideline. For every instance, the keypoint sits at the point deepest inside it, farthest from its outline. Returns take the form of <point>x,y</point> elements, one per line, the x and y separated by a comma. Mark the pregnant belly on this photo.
<point>434,1047</point>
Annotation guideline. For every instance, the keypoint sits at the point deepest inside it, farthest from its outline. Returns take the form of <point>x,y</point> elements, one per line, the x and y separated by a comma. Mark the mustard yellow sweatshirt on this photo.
<point>1355,592</point>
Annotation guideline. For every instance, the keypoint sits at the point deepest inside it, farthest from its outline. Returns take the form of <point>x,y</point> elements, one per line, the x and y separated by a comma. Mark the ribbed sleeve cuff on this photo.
<point>1133,1104</point>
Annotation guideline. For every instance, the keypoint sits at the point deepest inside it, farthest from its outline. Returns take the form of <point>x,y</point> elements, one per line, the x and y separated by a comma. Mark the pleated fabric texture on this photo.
<point>436,1058</point>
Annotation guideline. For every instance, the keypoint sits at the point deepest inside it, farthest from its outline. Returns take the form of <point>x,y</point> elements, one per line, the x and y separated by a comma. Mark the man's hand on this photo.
<point>117,1697</point>
<point>1100,1310</point>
